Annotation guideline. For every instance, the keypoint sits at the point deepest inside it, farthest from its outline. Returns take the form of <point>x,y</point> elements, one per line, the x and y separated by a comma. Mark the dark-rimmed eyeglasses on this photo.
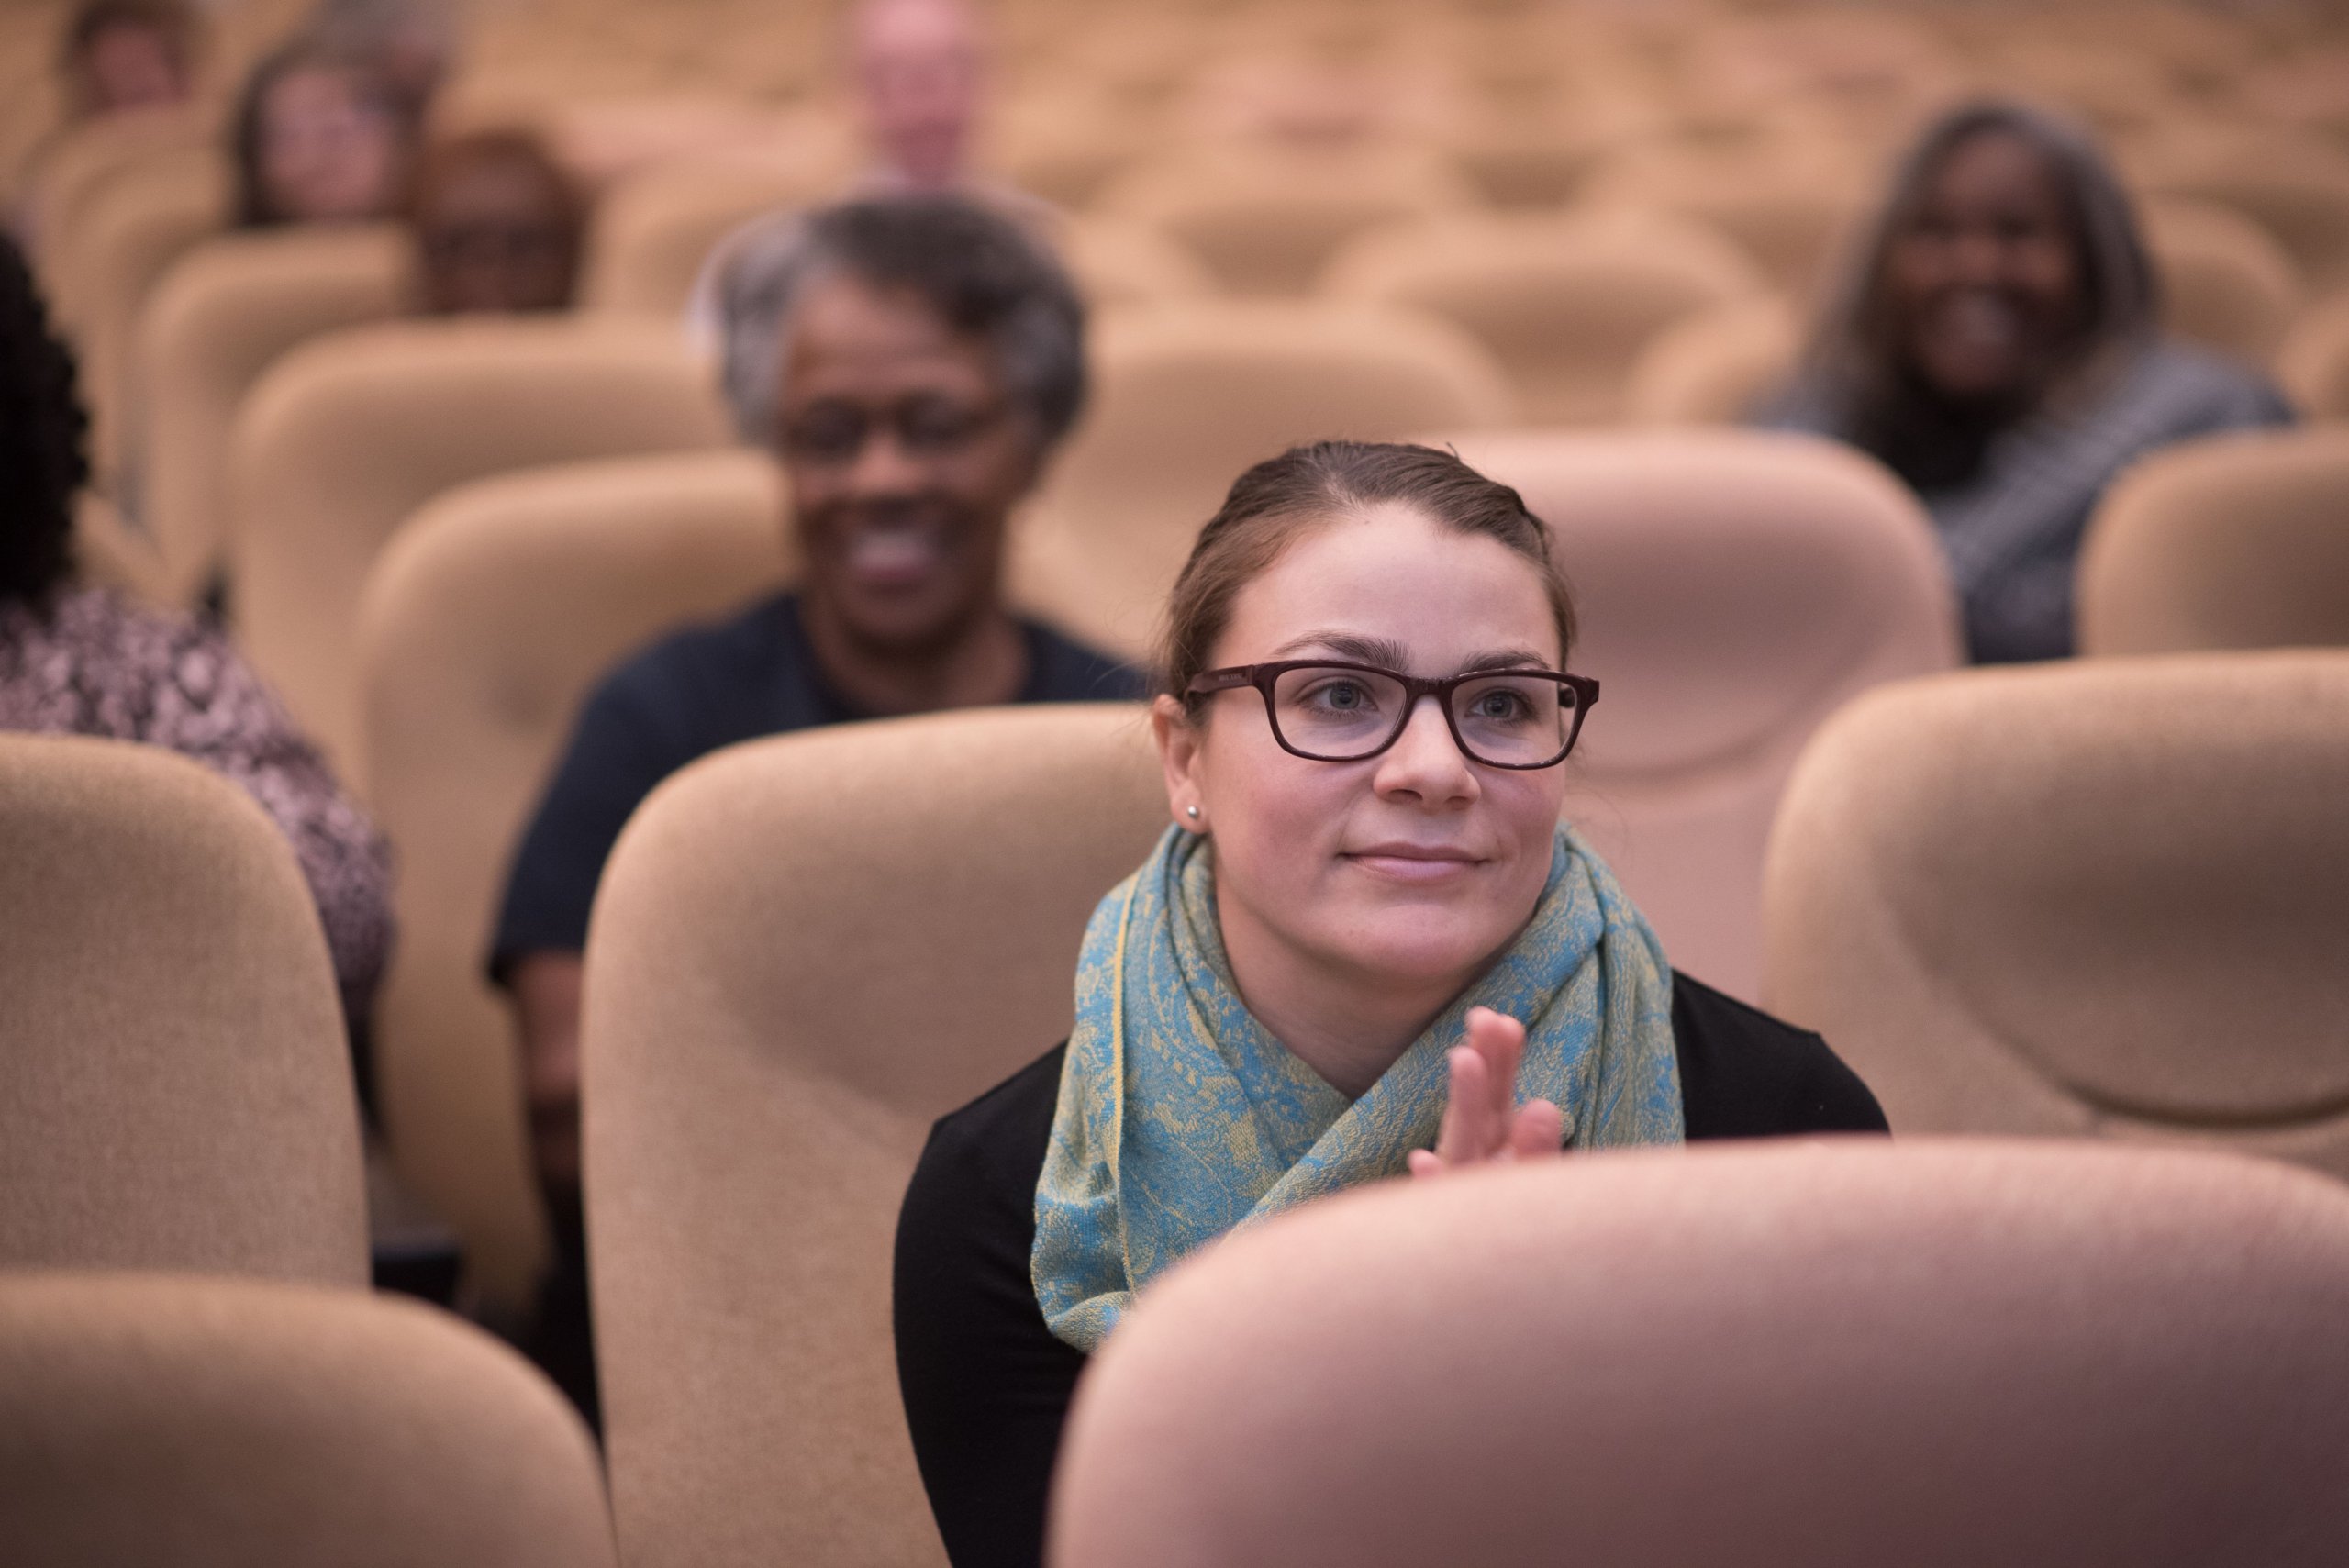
<point>1328,711</point>
<point>833,431</point>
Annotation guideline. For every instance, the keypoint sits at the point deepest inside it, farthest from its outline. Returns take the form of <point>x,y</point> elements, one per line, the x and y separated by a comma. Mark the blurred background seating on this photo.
<point>485,621</point>
<point>179,1095</point>
<point>756,1107</point>
<point>2099,900</point>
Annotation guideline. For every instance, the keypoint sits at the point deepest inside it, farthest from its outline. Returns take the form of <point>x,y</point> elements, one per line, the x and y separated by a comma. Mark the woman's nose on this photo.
<point>1425,761</point>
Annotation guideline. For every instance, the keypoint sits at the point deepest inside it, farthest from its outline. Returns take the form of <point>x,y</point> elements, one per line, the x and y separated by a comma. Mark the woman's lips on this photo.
<point>893,557</point>
<point>1413,863</point>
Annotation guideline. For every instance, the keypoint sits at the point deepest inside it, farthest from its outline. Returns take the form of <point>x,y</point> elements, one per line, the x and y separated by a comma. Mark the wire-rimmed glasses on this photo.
<point>1330,711</point>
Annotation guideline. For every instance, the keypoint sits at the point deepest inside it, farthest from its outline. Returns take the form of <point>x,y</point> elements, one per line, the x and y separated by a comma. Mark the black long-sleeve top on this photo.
<point>986,1386</point>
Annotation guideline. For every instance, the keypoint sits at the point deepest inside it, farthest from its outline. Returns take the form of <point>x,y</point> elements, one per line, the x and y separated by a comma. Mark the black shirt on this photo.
<point>985,1383</point>
<point>687,695</point>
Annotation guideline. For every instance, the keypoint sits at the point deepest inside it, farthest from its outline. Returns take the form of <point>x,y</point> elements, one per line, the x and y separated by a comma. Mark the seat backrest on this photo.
<point>2313,365</point>
<point>1715,367</point>
<point>216,1423</point>
<point>654,229</point>
<point>1822,1355</point>
<point>177,1094</point>
<point>806,949</point>
<point>2238,542</point>
<point>1791,216</point>
<point>132,230</point>
<point>490,616</point>
<point>1265,221</point>
<point>1117,263</point>
<point>2225,283</point>
<point>80,165</point>
<point>223,314</point>
<point>1564,304</point>
<point>2301,197</point>
<point>1734,589</point>
<point>2103,898</point>
<point>1187,395</point>
<point>346,436</point>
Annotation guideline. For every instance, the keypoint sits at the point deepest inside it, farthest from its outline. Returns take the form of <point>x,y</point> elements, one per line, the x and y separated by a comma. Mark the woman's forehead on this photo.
<point>1392,574</point>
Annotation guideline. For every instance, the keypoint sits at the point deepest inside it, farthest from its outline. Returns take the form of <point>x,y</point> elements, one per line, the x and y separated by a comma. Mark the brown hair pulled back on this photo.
<point>1281,498</point>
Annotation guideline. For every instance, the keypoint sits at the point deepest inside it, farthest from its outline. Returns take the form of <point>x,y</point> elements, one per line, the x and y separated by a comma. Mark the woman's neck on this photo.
<point>1348,1027</point>
<point>983,662</point>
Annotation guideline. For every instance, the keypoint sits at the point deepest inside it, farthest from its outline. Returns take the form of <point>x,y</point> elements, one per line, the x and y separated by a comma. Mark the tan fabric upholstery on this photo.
<point>2240,541</point>
<point>1116,263</point>
<point>1565,305</point>
<point>347,435</point>
<point>2095,900</point>
<point>2301,197</point>
<point>2225,283</point>
<point>155,1419</point>
<point>131,231</point>
<point>806,951</point>
<point>654,231</point>
<point>223,314</point>
<point>1836,1354</point>
<point>81,164</point>
<point>177,1094</point>
<point>1265,222</point>
<point>1793,216</point>
<point>1735,588</point>
<point>2314,361</point>
<point>488,619</point>
<point>1185,397</point>
<point>1715,367</point>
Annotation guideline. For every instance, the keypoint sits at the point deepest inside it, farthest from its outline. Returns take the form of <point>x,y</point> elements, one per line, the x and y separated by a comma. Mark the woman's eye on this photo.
<point>1345,696</point>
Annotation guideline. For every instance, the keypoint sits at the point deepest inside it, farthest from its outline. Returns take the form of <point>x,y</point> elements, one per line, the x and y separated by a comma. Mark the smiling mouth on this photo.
<point>894,555</point>
<point>1411,863</point>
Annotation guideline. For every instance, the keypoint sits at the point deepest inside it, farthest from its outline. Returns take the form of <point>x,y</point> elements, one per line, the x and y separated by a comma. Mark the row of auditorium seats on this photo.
<point>2020,902</point>
<point>350,436</point>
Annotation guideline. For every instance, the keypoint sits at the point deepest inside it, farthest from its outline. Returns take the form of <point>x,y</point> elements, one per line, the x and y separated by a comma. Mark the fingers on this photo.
<point>1500,1040</point>
<point>1468,1133</point>
<point>1538,1132</point>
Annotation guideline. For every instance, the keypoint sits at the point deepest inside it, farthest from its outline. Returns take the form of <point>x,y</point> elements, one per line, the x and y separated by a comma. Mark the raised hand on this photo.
<point>1482,1122</point>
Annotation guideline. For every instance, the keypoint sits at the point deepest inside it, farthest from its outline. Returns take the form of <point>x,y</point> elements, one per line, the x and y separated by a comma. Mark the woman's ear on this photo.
<point>1178,755</point>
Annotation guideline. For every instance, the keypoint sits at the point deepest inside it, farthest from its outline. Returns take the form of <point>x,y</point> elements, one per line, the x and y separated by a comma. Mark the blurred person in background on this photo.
<point>913,361</point>
<point>1998,348</point>
<point>409,44</point>
<point>76,659</point>
<point>498,227</point>
<point>129,54</point>
<point>319,137</point>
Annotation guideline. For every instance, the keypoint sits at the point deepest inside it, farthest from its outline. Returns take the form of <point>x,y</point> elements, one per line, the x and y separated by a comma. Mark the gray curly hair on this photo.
<point>978,270</point>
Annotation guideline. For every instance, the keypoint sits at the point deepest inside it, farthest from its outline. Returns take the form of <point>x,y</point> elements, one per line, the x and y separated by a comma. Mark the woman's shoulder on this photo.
<point>2194,390</point>
<point>1744,1073</point>
<point>999,1139</point>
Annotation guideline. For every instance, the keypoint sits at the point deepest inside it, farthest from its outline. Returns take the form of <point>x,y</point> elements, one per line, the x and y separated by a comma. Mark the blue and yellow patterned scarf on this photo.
<point>1180,1117</point>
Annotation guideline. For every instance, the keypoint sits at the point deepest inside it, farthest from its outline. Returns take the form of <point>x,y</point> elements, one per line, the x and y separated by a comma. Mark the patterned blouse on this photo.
<point>96,665</point>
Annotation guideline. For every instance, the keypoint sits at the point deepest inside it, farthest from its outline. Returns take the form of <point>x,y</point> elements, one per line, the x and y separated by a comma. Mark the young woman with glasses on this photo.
<point>1367,947</point>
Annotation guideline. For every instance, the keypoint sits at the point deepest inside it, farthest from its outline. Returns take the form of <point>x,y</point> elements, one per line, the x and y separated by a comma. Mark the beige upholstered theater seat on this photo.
<point>2298,193</point>
<point>1564,304</point>
<point>82,162</point>
<point>2240,541</point>
<point>132,230</point>
<point>206,1423</point>
<point>1266,221</point>
<point>806,949</point>
<point>490,616</point>
<point>1715,367</point>
<point>1117,263</point>
<point>1186,395</point>
<point>2103,899</point>
<point>1834,1354</point>
<point>178,1095</point>
<point>1793,215</point>
<point>1735,588</point>
<point>348,434</point>
<point>2225,283</point>
<point>2313,365</point>
<point>653,231</point>
<point>223,314</point>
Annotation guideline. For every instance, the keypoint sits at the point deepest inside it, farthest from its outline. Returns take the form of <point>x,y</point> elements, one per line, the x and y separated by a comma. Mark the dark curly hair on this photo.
<point>43,463</point>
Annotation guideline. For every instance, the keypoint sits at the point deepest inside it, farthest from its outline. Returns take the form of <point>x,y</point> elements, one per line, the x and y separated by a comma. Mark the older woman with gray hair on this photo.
<point>1997,346</point>
<point>912,361</point>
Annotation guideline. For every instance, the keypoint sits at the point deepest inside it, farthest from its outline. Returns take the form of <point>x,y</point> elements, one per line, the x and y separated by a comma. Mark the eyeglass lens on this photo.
<point>835,431</point>
<point>1342,715</point>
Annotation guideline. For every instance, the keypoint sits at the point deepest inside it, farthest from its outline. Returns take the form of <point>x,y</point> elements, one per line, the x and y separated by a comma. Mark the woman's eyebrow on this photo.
<point>1392,655</point>
<point>1504,659</point>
